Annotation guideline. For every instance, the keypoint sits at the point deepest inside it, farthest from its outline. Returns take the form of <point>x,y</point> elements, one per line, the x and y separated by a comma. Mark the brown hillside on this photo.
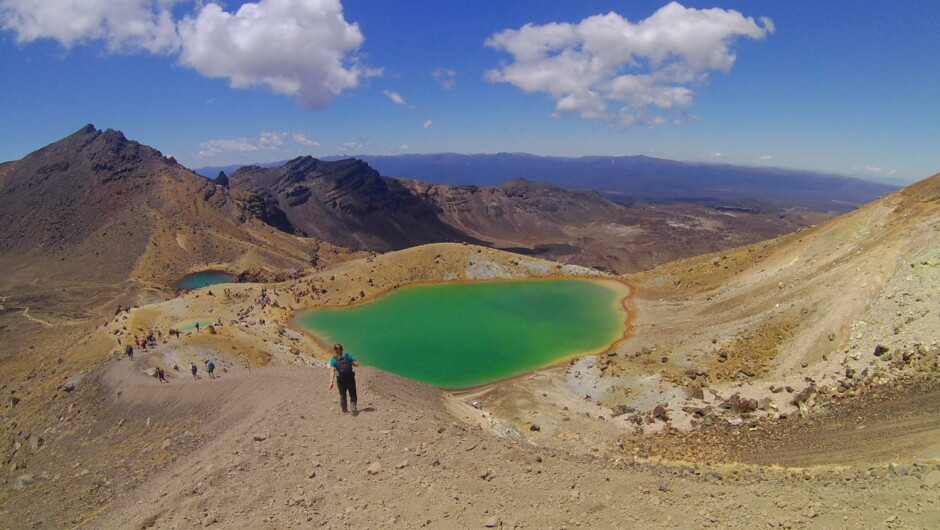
<point>790,383</point>
<point>97,209</point>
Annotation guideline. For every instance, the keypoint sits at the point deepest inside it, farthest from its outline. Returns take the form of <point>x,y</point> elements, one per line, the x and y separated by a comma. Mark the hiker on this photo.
<point>129,351</point>
<point>210,367</point>
<point>193,369</point>
<point>341,370</point>
<point>197,327</point>
<point>161,376</point>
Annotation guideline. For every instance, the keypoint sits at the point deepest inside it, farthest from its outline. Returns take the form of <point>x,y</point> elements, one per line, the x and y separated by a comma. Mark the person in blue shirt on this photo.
<point>341,371</point>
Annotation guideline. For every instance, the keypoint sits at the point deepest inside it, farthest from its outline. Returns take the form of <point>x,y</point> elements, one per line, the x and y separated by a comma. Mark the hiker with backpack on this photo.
<point>341,371</point>
<point>210,367</point>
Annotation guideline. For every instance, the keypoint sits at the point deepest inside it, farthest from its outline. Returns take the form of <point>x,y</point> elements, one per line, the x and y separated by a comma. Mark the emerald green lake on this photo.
<point>203,279</point>
<point>466,334</point>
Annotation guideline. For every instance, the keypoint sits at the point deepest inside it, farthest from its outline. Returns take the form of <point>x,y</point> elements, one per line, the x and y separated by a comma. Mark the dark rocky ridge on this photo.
<point>348,203</point>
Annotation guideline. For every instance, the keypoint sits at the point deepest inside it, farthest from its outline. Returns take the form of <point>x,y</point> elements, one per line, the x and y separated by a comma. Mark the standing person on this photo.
<point>193,369</point>
<point>341,370</point>
<point>161,376</point>
<point>210,367</point>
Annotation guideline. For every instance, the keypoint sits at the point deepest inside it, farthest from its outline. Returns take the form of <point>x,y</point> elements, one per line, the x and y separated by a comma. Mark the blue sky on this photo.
<point>849,88</point>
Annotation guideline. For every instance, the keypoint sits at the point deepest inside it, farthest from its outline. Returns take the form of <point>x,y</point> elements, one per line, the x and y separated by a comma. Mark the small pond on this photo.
<point>459,335</point>
<point>204,278</point>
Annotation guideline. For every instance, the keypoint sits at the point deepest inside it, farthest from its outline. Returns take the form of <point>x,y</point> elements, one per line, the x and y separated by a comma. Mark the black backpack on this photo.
<point>344,369</point>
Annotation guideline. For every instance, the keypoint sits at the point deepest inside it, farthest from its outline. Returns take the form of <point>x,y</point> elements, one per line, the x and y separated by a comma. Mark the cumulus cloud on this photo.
<point>294,47</point>
<point>125,25</point>
<point>349,146</point>
<point>266,141</point>
<point>302,48</point>
<point>304,141</point>
<point>395,97</point>
<point>446,77</point>
<point>428,124</point>
<point>606,67</point>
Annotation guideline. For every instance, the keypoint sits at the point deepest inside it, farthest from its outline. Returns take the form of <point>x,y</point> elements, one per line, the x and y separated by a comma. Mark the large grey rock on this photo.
<point>22,481</point>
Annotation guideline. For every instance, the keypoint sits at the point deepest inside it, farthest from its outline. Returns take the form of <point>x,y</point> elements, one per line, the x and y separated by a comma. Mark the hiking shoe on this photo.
<point>354,408</point>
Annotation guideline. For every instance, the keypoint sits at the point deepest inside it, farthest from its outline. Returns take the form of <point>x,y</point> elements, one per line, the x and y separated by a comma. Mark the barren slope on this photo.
<point>267,447</point>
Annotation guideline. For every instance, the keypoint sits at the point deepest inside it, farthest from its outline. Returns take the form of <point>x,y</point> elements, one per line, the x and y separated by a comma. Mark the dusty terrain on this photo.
<point>791,383</point>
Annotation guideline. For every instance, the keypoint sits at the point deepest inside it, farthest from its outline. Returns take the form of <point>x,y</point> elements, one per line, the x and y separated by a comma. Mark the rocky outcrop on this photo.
<point>348,203</point>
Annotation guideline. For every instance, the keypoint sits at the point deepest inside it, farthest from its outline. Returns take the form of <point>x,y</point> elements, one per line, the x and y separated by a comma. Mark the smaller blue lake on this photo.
<point>204,278</point>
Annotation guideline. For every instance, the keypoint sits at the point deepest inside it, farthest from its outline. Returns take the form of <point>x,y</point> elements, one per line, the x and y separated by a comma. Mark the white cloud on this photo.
<point>403,147</point>
<point>606,67</point>
<point>395,97</point>
<point>267,141</point>
<point>271,141</point>
<point>216,147</point>
<point>125,25</point>
<point>349,146</point>
<point>304,141</point>
<point>446,77</point>
<point>302,48</point>
<point>428,124</point>
<point>294,47</point>
<point>874,170</point>
<point>765,158</point>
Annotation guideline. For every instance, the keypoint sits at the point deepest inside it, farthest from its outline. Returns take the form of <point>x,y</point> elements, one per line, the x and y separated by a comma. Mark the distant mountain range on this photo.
<point>96,206</point>
<point>626,179</point>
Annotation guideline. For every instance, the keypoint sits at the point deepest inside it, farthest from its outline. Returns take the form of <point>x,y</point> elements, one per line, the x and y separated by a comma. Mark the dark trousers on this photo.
<point>346,386</point>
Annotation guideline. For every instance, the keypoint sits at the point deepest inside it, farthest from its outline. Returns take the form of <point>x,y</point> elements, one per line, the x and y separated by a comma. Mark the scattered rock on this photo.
<point>260,437</point>
<point>534,428</point>
<point>620,410</point>
<point>880,350</point>
<point>22,481</point>
<point>739,405</point>
<point>72,382</point>
<point>492,522</point>
<point>34,443</point>
<point>374,468</point>
<point>660,412</point>
<point>932,479</point>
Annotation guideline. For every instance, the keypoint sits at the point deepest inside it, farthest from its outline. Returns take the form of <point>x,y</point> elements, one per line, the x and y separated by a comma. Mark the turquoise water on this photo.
<point>467,334</point>
<point>204,278</point>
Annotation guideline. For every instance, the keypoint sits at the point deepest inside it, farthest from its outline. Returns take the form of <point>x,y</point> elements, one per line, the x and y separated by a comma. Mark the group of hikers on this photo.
<point>342,377</point>
<point>210,368</point>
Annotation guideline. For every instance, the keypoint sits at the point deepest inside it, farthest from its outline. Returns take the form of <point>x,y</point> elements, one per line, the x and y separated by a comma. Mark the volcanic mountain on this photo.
<point>346,202</point>
<point>97,208</point>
